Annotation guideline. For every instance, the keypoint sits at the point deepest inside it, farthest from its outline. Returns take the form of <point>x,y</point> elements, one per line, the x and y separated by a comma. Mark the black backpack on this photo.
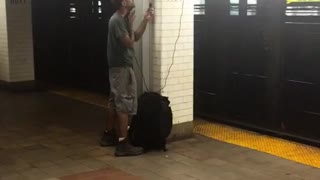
<point>152,125</point>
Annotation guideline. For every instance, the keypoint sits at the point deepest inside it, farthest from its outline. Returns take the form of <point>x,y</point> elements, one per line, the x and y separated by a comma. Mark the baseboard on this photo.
<point>19,86</point>
<point>181,131</point>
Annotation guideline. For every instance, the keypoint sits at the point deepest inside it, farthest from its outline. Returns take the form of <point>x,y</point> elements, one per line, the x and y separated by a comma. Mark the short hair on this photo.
<point>117,4</point>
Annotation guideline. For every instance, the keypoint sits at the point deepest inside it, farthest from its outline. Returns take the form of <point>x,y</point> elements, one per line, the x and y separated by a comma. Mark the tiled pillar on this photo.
<point>173,53</point>
<point>4,52</point>
<point>16,47</point>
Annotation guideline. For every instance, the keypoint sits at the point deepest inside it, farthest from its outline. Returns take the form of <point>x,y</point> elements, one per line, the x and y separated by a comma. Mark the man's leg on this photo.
<point>110,123</point>
<point>124,148</point>
<point>109,137</point>
<point>123,125</point>
<point>126,106</point>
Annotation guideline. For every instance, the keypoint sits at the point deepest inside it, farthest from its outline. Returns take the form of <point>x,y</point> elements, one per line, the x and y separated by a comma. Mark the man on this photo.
<point>123,96</point>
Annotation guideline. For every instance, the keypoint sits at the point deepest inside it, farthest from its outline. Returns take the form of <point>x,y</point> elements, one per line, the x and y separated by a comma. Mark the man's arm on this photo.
<point>141,29</point>
<point>128,40</point>
<point>143,25</point>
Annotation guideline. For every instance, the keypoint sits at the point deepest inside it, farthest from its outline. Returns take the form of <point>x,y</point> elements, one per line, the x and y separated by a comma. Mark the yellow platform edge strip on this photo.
<point>285,149</point>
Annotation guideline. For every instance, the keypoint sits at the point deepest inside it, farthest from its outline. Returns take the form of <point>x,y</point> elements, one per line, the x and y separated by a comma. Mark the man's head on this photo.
<point>128,4</point>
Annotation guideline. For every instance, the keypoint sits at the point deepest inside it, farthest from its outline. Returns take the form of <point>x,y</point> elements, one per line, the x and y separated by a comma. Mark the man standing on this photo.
<point>121,55</point>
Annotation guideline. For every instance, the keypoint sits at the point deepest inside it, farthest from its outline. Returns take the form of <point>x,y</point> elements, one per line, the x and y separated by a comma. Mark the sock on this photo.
<point>121,139</point>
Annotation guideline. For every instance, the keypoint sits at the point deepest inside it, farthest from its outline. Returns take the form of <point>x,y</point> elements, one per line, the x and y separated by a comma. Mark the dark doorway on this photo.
<point>301,75</point>
<point>70,40</point>
<point>256,65</point>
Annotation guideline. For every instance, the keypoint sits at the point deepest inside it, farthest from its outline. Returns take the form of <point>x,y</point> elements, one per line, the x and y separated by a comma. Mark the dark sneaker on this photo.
<point>108,139</point>
<point>125,149</point>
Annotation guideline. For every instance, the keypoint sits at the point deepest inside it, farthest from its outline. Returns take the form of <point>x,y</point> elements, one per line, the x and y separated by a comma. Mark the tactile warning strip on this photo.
<point>293,151</point>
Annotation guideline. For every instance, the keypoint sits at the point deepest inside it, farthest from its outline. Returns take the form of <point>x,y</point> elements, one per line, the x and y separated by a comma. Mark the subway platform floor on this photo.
<point>51,137</point>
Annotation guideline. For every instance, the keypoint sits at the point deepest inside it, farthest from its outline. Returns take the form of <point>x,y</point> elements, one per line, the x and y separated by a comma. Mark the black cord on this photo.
<point>143,78</point>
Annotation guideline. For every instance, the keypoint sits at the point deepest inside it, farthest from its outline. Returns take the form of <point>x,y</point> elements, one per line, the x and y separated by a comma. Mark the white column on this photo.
<point>4,51</point>
<point>17,61</point>
<point>173,47</point>
<point>142,50</point>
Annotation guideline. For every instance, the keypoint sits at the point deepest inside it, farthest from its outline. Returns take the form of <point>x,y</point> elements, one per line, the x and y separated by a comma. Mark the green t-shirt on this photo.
<point>118,54</point>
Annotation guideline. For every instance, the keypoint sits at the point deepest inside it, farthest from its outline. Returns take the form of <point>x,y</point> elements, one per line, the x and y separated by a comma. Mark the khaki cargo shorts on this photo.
<point>123,94</point>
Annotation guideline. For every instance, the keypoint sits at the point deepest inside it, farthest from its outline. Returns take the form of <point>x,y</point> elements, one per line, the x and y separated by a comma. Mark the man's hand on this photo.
<point>131,18</point>
<point>128,40</point>
<point>149,15</point>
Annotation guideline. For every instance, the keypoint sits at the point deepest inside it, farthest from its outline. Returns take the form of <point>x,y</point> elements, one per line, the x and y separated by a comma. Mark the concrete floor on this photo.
<point>45,136</point>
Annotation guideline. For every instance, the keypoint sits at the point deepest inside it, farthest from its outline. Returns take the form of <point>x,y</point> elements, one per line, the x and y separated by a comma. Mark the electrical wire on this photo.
<point>143,78</point>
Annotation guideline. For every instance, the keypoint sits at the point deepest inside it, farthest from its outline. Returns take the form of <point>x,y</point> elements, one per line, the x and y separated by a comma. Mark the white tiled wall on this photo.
<point>4,54</point>
<point>20,41</point>
<point>16,46</point>
<point>179,86</point>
